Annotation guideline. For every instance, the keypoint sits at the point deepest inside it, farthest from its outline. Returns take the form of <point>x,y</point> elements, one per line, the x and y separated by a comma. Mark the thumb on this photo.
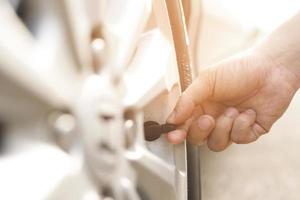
<point>195,94</point>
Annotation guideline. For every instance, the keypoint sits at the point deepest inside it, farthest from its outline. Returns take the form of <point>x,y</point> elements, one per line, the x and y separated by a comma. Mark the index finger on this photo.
<point>198,91</point>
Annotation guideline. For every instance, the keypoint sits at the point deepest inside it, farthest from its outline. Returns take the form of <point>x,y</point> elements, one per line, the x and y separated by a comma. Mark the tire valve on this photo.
<point>154,130</point>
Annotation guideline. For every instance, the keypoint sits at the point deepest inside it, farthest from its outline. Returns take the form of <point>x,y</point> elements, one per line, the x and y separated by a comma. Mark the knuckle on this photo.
<point>243,119</point>
<point>242,122</point>
<point>238,139</point>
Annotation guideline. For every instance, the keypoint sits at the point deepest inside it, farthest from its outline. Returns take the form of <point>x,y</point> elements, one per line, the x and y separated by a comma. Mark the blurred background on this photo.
<point>265,170</point>
<point>268,168</point>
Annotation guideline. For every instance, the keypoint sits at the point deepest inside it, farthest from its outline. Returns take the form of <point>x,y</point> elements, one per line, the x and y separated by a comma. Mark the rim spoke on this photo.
<point>27,64</point>
<point>80,30</point>
<point>123,23</point>
<point>15,37</point>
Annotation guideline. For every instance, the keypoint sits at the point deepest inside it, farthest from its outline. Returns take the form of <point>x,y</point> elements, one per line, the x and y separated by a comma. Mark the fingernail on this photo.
<point>171,118</point>
<point>231,112</point>
<point>204,123</point>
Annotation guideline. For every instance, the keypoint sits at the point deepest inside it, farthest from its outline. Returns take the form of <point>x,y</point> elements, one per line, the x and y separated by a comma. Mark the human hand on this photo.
<point>237,100</point>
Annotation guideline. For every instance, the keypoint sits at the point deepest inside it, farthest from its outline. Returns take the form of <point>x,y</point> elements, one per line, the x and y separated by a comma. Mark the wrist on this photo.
<point>296,71</point>
<point>287,60</point>
<point>282,47</point>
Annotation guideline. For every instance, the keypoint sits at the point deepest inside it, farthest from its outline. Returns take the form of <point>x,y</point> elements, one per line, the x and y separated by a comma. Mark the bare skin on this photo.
<point>239,99</point>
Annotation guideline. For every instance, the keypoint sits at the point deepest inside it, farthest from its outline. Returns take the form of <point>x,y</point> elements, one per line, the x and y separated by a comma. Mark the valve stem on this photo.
<point>154,130</point>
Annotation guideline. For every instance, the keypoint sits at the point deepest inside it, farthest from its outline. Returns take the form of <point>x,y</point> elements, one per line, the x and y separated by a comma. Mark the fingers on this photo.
<point>219,139</point>
<point>200,129</point>
<point>230,126</point>
<point>244,129</point>
<point>198,91</point>
<point>258,130</point>
<point>177,136</point>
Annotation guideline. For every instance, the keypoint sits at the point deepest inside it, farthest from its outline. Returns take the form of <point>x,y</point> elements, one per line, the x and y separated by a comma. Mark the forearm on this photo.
<point>283,46</point>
